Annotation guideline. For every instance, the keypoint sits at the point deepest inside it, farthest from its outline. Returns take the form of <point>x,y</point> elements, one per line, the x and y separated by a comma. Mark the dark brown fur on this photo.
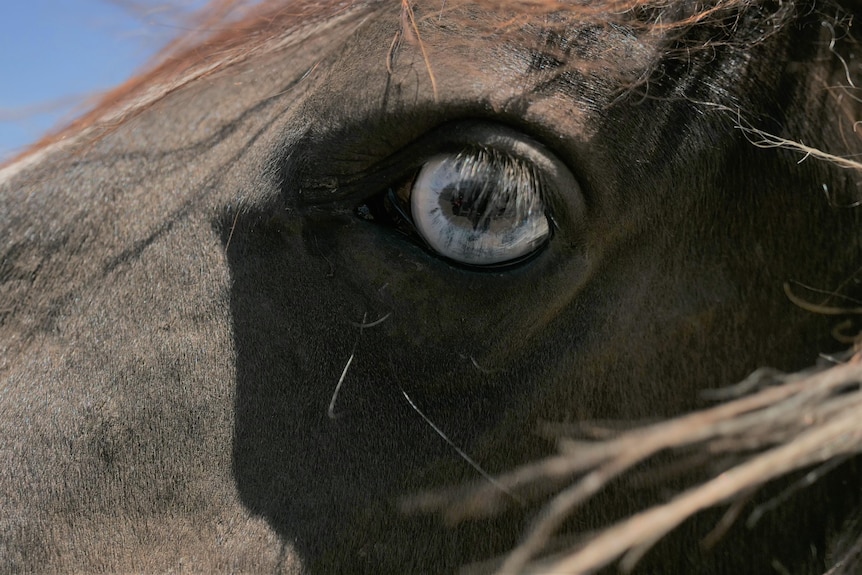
<point>184,277</point>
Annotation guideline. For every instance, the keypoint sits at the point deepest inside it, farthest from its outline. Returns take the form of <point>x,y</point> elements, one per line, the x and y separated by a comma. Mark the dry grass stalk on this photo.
<point>803,420</point>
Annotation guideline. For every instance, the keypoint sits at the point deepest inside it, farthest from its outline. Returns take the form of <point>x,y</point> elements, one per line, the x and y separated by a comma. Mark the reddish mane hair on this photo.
<point>226,32</point>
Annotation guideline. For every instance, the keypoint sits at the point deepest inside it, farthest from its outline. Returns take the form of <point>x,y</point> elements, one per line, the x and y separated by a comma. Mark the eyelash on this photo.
<point>480,207</point>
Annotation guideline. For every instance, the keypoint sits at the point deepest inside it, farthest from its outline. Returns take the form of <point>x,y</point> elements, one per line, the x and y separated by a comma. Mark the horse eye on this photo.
<point>477,193</point>
<point>479,207</point>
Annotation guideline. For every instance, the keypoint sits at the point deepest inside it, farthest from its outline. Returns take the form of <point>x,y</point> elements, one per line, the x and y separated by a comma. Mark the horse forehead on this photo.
<point>555,74</point>
<point>350,61</point>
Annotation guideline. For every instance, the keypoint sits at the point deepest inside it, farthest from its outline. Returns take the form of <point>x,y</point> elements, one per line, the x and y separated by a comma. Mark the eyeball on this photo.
<point>479,207</point>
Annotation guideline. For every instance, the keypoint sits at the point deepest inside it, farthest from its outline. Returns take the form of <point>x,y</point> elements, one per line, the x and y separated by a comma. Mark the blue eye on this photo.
<point>479,207</point>
<point>475,193</point>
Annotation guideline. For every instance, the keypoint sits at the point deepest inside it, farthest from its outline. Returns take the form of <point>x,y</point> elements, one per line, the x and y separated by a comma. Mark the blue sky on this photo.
<point>58,53</point>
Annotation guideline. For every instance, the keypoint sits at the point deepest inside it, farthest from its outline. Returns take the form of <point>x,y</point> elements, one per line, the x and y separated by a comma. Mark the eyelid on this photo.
<point>488,160</point>
<point>448,138</point>
<point>359,186</point>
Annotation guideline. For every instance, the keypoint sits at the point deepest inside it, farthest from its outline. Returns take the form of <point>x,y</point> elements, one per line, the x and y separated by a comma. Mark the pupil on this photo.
<point>475,202</point>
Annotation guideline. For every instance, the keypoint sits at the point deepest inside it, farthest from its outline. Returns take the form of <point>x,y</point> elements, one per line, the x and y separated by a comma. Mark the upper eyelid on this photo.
<point>378,160</point>
<point>490,160</point>
<point>358,186</point>
<point>452,137</point>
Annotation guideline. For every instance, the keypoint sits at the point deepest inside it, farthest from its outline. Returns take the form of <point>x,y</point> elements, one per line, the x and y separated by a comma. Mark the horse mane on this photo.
<point>226,32</point>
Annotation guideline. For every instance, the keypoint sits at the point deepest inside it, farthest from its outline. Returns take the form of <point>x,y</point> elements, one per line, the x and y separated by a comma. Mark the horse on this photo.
<point>325,257</point>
